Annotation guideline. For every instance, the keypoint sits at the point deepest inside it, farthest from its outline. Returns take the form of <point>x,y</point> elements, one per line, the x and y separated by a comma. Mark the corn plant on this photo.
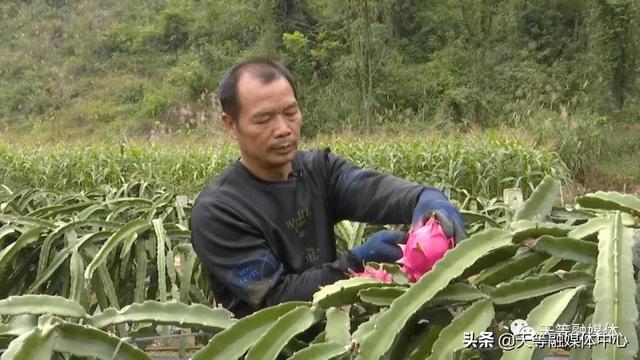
<point>483,166</point>
<point>548,265</point>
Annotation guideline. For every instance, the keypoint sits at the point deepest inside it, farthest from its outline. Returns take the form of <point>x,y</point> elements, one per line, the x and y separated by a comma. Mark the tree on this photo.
<point>618,41</point>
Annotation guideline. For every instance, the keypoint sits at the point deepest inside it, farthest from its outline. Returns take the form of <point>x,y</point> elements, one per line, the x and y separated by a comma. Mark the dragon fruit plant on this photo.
<point>546,265</point>
<point>425,245</point>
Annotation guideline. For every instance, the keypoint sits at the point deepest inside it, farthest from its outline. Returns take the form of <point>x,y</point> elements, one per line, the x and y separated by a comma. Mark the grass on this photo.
<point>601,155</point>
<point>618,166</point>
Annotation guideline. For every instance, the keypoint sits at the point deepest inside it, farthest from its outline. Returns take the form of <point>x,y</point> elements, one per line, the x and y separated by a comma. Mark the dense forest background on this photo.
<point>565,71</point>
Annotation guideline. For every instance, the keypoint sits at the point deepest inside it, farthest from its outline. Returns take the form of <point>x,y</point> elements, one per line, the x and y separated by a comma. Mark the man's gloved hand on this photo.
<point>382,246</point>
<point>434,202</point>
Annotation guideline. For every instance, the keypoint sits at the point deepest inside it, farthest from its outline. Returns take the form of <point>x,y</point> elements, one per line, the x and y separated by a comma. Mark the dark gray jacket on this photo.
<point>263,243</point>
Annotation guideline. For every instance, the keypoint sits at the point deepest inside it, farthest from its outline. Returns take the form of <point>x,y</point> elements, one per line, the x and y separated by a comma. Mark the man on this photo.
<point>263,228</point>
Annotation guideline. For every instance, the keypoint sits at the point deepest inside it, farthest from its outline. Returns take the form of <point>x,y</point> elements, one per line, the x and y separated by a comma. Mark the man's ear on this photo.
<point>231,125</point>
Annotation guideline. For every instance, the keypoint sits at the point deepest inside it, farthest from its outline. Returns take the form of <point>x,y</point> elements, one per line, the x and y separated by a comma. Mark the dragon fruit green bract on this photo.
<point>425,245</point>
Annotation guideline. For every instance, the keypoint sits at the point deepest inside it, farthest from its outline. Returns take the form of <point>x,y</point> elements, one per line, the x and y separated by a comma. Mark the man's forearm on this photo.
<point>301,287</point>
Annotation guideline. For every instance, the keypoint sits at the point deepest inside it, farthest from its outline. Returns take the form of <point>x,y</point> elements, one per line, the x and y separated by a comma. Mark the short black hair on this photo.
<point>265,70</point>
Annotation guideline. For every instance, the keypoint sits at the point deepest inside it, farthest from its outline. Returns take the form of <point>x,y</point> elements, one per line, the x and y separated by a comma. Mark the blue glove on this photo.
<point>382,246</point>
<point>433,202</point>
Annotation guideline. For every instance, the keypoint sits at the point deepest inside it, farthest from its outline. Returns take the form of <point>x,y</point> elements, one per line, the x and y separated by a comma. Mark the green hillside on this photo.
<point>73,68</point>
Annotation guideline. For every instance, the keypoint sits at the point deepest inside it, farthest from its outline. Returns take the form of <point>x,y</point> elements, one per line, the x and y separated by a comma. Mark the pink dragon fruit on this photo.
<point>378,274</point>
<point>425,245</point>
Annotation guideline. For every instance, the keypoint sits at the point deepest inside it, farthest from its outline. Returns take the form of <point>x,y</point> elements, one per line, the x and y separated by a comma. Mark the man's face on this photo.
<point>268,124</point>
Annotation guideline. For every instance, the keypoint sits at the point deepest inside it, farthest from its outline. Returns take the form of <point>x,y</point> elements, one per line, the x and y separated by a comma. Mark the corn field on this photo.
<point>483,167</point>
<point>92,275</point>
